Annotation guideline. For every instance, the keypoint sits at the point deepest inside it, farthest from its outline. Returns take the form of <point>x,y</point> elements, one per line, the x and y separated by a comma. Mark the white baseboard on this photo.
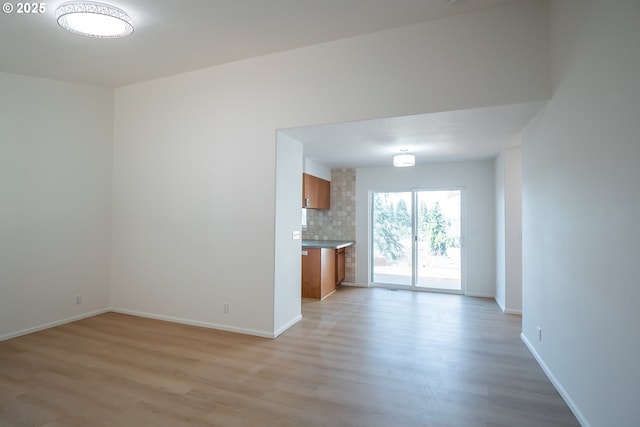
<point>52,324</point>
<point>191,322</point>
<point>480,295</point>
<point>507,310</point>
<point>572,405</point>
<point>356,285</point>
<point>287,325</point>
<point>222,327</point>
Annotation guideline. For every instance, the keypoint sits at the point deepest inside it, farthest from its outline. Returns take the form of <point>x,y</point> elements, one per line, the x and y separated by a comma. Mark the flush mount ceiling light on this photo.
<point>93,19</point>
<point>404,160</point>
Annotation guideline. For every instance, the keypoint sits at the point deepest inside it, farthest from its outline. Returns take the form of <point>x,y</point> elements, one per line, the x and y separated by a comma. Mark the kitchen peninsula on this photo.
<point>323,267</point>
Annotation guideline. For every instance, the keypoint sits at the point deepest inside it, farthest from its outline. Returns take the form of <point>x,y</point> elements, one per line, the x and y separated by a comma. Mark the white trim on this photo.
<point>287,325</point>
<point>507,310</point>
<point>356,285</point>
<point>217,326</point>
<point>52,324</point>
<point>572,405</point>
<point>480,295</point>
<point>191,322</point>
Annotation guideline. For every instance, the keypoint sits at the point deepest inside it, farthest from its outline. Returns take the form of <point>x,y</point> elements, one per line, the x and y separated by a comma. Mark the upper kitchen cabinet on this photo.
<point>316,192</point>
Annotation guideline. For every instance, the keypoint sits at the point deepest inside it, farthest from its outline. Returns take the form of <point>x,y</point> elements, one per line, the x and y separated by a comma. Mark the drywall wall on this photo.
<point>193,229</point>
<point>513,229</point>
<point>508,178</point>
<point>317,169</point>
<point>501,280</point>
<point>55,202</point>
<point>580,213</point>
<point>478,225</point>
<point>288,234</point>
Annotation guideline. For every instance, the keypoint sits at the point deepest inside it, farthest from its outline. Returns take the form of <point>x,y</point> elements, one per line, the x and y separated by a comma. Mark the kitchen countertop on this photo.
<point>332,244</point>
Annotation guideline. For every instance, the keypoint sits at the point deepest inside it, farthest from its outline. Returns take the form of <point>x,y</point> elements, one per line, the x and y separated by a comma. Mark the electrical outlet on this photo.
<point>225,307</point>
<point>539,333</point>
<point>78,299</point>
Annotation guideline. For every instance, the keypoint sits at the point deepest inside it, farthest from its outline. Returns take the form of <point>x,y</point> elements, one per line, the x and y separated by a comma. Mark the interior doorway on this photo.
<point>417,239</point>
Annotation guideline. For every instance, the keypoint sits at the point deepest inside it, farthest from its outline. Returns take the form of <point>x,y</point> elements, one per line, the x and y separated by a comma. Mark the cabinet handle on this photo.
<point>306,202</point>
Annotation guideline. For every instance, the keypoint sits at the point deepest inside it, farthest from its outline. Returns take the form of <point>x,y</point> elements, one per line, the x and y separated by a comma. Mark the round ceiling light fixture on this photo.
<point>404,160</point>
<point>93,19</point>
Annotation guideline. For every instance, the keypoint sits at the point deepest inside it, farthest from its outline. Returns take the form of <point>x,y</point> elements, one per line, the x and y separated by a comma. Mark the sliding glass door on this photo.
<point>392,238</point>
<point>439,261</point>
<point>416,239</point>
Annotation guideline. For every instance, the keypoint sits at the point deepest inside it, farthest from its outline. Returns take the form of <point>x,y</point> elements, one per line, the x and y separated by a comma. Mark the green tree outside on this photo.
<point>386,235</point>
<point>437,231</point>
<point>393,224</point>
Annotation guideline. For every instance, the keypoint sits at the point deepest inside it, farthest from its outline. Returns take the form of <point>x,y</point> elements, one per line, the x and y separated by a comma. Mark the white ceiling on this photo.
<point>173,37</point>
<point>479,133</point>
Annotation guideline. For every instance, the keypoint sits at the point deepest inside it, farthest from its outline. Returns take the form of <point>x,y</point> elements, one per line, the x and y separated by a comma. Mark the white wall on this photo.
<point>501,278</point>
<point>477,181</point>
<point>508,177</point>
<point>287,293</point>
<point>192,230</point>
<point>581,208</point>
<point>55,201</point>
<point>184,217</point>
<point>513,229</point>
<point>317,169</point>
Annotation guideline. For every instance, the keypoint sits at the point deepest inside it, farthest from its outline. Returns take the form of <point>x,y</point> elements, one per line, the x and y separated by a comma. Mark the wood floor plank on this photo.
<point>362,357</point>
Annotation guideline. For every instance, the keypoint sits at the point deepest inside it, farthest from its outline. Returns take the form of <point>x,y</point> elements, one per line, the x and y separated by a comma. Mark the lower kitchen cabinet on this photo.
<point>340,268</point>
<point>319,273</point>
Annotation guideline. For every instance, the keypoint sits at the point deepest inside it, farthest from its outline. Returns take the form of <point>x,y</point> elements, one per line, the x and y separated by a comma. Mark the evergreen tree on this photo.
<point>423,222</point>
<point>386,236</point>
<point>438,237</point>
<point>402,218</point>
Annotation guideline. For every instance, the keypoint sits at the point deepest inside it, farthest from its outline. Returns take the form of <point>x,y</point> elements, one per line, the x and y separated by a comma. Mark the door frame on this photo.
<point>413,287</point>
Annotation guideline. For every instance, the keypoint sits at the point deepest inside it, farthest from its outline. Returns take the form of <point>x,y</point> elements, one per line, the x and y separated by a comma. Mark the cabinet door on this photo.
<point>311,271</point>
<point>340,268</point>
<point>305,190</point>
<point>316,192</point>
<point>318,272</point>
<point>328,274</point>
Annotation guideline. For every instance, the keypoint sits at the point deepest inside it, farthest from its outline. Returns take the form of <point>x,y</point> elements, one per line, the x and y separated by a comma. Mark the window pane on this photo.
<point>438,243</point>
<point>392,242</point>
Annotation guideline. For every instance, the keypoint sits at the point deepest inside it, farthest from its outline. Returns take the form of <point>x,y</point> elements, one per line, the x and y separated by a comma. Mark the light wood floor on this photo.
<point>362,357</point>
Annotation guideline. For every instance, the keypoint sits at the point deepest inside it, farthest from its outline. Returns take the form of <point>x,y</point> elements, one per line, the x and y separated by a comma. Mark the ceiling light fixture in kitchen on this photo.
<point>404,160</point>
<point>93,19</point>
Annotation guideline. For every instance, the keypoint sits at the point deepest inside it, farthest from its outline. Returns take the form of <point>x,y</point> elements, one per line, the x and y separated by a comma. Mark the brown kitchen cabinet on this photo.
<point>316,192</point>
<point>318,272</point>
<point>340,270</point>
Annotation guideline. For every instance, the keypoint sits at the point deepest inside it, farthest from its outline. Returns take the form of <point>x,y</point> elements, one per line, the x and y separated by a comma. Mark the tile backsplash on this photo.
<point>339,223</point>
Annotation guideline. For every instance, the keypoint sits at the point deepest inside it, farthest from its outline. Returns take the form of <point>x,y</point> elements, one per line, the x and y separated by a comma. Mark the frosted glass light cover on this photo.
<point>94,20</point>
<point>404,160</point>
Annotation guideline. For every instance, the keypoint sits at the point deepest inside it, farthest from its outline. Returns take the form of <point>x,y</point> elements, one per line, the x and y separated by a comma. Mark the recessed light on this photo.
<point>93,19</point>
